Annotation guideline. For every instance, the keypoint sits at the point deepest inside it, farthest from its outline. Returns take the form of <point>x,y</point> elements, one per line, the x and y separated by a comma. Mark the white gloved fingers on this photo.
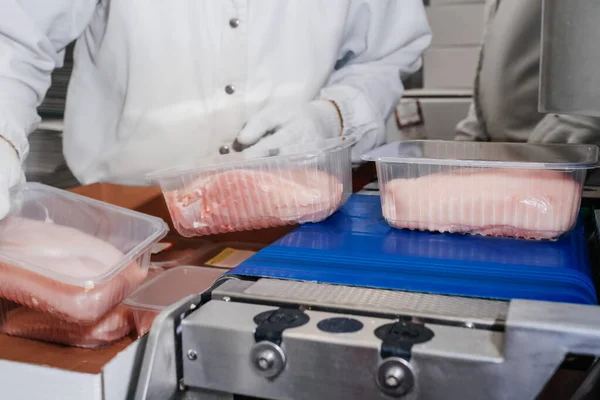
<point>266,121</point>
<point>318,120</point>
<point>272,144</point>
<point>11,174</point>
<point>555,128</point>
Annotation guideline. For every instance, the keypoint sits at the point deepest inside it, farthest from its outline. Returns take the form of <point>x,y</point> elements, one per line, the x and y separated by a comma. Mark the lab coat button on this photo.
<point>230,89</point>
<point>234,22</point>
<point>224,149</point>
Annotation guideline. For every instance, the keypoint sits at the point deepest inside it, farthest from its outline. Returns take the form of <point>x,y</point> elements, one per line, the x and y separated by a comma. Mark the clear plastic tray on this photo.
<point>496,189</point>
<point>72,257</point>
<point>166,289</point>
<point>28,323</point>
<point>302,184</point>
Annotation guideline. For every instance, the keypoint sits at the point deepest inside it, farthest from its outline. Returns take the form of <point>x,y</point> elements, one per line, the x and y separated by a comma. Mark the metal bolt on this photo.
<point>393,377</point>
<point>192,355</point>
<point>391,381</point>
<point>230,89</point>
<point>226,298</point>
<point>234,22</point>
<point>267,359</point>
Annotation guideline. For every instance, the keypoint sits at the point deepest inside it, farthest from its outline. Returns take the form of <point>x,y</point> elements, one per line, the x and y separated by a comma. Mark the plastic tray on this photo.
<point>166,289</point>
<point>28,323</point>
<point>356,247</point>
<point>302,184</point>
<point>493,189</point>
<point>72,257</point>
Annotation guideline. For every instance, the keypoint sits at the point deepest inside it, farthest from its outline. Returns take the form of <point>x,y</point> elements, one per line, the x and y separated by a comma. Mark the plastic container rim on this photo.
<point>129,302</point>
<point>160,226</point>
<point>483,163</point>
<point>331,145</point>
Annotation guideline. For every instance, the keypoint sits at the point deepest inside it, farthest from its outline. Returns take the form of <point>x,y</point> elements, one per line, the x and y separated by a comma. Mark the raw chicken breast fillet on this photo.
<point>532,204</point>
<point>31,324</point>
<point>250,199</point>
<point>66,252</point>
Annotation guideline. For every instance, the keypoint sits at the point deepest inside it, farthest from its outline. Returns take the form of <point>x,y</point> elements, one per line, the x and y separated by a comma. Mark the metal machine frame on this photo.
<point>326,342</point>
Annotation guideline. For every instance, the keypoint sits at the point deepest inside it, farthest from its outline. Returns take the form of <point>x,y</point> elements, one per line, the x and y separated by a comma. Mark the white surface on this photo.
<point>121,373</point>
<point>456,25</point>
<point>131,112</point>
<point>24,381</point>
<point>437,93</point>
<point>450,68</point>
<point>441,115</point>
<point>435,3</point>
<point>36,382</point>
<point>52,124</point>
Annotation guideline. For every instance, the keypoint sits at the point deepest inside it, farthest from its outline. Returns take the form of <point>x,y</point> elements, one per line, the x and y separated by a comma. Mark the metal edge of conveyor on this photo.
<point>447,310</point>
<point>160,371</point>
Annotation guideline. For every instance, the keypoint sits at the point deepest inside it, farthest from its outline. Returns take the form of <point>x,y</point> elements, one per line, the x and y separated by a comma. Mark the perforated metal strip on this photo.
<point>374,300</point>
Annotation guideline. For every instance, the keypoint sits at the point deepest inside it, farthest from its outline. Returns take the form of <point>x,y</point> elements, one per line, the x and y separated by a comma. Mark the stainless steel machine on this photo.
<point>278,339</point>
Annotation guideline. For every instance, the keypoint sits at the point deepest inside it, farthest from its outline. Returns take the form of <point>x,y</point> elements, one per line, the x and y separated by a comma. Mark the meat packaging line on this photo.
<point>320,336</point>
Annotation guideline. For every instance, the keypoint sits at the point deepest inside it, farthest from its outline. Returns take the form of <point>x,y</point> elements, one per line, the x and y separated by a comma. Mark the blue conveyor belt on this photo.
<point>356,247</point>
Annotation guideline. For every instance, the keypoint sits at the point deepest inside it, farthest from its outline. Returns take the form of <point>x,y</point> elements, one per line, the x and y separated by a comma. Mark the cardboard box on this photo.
<point>450,68</point>
<point>456,25</point>
<point>41,371</point>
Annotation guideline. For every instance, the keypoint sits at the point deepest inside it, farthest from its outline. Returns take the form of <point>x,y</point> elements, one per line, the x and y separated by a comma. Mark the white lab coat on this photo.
<point>158,83</point>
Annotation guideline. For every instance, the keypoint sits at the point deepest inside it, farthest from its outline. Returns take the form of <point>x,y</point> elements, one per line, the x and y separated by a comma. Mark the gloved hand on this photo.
<point>554,128</point>
<point>317,120</point>
<point>11,174</point>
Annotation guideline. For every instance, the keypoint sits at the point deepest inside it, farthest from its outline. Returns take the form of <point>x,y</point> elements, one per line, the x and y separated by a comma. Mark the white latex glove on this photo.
<point>317,120</point>
<point>11,174</point>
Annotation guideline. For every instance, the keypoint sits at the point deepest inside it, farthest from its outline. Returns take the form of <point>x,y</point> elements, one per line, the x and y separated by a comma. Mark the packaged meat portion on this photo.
<point>36,325</point>
<point>493,189</point>
<point>532,204</point>
<point>71,257</point>
<point>306,184</point>
<point>166,289</point>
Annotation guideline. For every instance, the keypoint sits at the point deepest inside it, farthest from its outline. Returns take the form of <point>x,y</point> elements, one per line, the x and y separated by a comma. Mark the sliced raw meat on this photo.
<point>31,324</point>
<point>250,199</point>
<point>62,252</point>
<point>532,204</point>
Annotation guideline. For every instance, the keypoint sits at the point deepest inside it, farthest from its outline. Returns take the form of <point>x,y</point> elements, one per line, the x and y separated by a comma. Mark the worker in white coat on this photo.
<point>157,84</point>
<point>505,101</point>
